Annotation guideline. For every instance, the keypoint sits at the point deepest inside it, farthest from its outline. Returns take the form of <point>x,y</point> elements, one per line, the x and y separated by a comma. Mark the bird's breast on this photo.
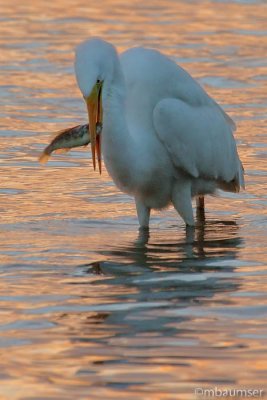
<point>139,165</point>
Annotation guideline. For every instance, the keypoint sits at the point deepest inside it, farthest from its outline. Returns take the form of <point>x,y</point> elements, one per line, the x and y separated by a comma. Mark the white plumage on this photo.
<point>164,140</point>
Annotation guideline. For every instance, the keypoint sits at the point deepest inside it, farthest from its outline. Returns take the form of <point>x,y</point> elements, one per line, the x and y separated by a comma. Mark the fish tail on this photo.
<point>44,157</point>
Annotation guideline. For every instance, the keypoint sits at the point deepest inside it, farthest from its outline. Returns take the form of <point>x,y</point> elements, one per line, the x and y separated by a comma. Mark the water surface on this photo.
<point>90,309</point>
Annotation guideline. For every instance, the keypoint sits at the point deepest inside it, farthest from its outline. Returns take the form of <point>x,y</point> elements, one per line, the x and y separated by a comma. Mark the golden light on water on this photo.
<point>89,308</point>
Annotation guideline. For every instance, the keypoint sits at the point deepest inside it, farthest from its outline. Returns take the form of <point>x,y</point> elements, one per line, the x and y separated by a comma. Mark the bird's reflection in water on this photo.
<point>168,276</point>
<point>192,249</point>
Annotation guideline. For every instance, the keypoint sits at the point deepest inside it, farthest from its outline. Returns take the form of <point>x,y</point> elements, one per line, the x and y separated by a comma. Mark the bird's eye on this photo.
<point>98,81</point>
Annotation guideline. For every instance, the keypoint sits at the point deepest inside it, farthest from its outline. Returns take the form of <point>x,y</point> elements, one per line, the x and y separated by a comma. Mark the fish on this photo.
<point>67,139</point>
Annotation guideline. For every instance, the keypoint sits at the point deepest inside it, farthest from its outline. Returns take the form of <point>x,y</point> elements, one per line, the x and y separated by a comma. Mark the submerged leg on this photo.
<point>181,199</point>
<point>143,213</point>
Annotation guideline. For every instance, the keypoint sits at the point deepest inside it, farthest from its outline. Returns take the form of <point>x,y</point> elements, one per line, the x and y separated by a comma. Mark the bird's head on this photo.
<point>93,68</point>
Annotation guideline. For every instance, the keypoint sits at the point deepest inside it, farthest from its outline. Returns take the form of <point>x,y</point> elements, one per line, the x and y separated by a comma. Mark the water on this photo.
<point>89,308</point>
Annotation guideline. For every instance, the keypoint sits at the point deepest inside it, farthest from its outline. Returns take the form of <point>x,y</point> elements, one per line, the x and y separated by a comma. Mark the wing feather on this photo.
<point>199,139</point>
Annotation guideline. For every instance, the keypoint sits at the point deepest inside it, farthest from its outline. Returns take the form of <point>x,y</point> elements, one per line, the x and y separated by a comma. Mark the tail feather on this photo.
<point>235,184</point>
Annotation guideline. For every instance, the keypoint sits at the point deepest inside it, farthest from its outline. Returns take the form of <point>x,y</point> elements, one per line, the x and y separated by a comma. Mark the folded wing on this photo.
<point>199,139</point>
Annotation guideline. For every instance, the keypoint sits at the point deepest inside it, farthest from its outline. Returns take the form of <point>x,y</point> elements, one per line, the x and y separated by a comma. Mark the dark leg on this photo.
<point>200,202</point>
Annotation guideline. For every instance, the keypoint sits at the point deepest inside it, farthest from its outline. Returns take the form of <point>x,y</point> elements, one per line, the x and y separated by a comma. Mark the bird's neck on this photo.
<point>118,145</point>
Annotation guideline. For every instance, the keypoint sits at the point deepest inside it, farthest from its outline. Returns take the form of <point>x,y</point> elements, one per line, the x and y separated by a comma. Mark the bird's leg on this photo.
<point>143,213</point>
<point>181,199</point>
<point>200,203</point>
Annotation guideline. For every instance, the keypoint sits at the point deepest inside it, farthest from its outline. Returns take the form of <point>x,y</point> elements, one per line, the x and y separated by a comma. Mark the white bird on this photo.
<point>164,139</point>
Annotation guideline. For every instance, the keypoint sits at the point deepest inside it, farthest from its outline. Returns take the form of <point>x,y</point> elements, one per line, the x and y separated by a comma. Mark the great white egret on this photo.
<point>164,139</point>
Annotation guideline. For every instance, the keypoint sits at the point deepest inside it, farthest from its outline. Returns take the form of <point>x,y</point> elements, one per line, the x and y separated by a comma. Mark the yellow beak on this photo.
<point>95,115</point>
